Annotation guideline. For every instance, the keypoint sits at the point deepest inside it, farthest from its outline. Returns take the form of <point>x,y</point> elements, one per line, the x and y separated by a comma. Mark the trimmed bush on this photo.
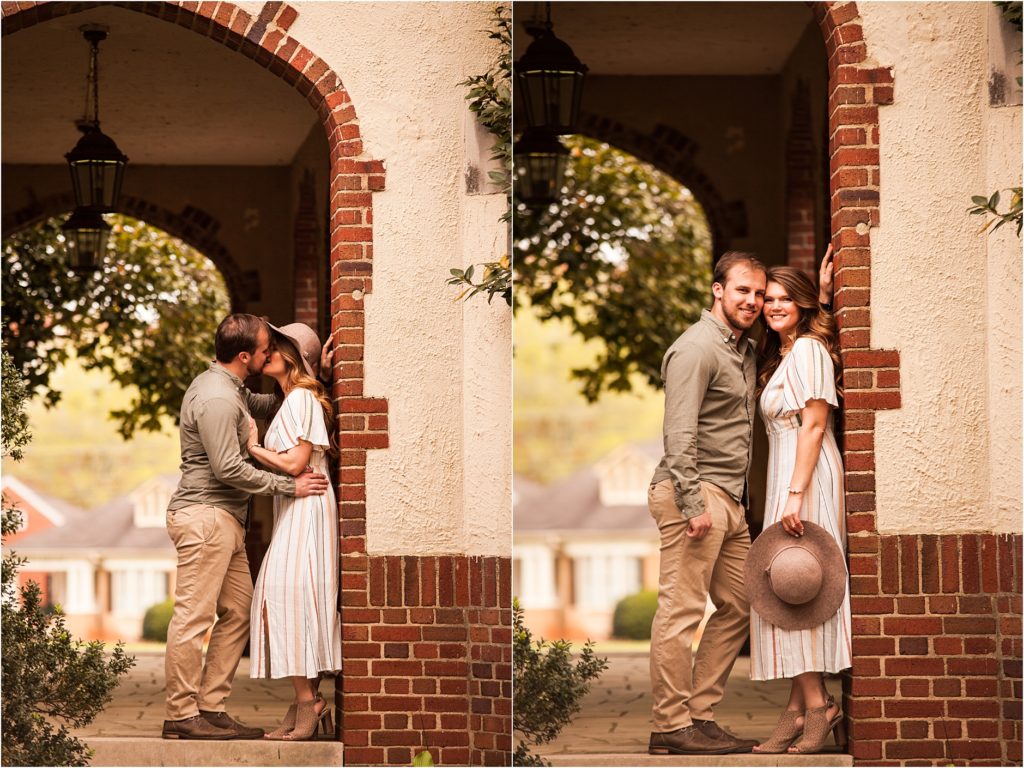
<point>154,624</point>
<point>634,614</point>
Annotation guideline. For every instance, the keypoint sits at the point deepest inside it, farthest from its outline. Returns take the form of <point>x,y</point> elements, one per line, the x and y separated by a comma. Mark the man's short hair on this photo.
<point>730,259</point>
<point>236,334</point>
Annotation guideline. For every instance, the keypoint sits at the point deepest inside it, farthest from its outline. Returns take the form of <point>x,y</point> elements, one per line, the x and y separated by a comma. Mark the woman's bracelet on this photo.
<point>794,490</point>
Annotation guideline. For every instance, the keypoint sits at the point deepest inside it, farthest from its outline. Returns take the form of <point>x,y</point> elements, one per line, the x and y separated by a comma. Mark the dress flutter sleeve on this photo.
<point>810,375</point>
<point>302,418</point>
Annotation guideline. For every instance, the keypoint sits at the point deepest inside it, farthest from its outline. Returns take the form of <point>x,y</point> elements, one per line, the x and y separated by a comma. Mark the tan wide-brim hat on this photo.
<point>795,583</point>
<point>306,342</point>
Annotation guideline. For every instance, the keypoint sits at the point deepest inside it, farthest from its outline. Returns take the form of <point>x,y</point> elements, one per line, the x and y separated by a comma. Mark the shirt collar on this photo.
<point>235,381</point>
<point>723,330</point>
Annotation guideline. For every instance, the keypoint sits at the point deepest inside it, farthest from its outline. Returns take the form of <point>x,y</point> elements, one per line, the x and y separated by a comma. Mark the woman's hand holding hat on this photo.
<point>791,522</point>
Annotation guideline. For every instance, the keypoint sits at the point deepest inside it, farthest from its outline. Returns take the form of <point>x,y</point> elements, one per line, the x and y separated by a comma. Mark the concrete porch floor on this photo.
<point>614,725</point>
<point>127,731</point>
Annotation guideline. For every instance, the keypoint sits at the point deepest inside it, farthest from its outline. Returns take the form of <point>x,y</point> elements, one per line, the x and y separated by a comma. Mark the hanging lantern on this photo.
<point>540,167</point>
<point>85,238</point>
<point>551,81</point>
<point>96,164</point>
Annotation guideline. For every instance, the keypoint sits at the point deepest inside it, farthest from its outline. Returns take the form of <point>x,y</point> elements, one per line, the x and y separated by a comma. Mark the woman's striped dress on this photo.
<point>295,625</point>
<point>806,373</point>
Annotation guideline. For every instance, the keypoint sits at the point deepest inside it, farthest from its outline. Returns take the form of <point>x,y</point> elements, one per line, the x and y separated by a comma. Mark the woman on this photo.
<point>799,376</point>
<point>295,627</point>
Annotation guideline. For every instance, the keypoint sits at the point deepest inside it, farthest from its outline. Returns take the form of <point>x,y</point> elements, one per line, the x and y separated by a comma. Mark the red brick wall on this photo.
<point>429,659</point>
<point>801,252</point>
<point>936,618</point>
<point>307,254</point>
<point>471,699</point>
<point>937,649</point>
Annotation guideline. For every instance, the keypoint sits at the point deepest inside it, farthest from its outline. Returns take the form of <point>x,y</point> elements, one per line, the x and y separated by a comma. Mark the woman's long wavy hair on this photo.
<point>814,322</point>
<point>297,377</point>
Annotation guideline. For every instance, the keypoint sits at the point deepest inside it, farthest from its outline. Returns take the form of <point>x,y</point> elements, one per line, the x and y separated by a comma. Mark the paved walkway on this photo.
<point>137,709</point>
<point>615,721</point>
<point>127,731</point>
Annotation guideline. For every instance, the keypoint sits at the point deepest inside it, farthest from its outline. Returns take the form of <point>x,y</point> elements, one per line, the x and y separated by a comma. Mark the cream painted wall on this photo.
<point>946,297</point>
<point>444,485</point>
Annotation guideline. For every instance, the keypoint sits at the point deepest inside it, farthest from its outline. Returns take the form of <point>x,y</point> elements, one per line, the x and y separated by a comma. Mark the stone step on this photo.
<point>639,760</point>
<point>146,751</point>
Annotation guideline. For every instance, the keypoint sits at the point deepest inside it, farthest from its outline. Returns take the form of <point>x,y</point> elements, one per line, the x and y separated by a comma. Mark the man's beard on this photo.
<point>738,320</point>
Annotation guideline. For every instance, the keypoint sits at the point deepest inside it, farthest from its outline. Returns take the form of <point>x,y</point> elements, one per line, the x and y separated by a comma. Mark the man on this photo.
<point>206,520</point>
<point>698,497</point>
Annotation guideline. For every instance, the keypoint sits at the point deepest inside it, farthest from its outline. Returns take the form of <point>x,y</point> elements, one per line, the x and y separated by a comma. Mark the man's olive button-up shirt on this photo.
<point>709,412</point>
<point>214,433</point>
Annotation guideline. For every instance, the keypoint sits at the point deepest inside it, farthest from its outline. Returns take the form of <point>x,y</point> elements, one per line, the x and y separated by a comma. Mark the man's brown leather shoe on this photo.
<point>195,727</point>
<point>713,730</point>
<point>686,741</point>
<point>225,721</point>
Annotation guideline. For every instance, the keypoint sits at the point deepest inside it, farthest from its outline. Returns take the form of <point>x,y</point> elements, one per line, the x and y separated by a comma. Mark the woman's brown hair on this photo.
<point>814,322</point>
<point>297,377</point>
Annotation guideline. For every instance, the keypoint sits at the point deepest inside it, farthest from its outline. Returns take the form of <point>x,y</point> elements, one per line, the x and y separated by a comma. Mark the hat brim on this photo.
<point>298,348</point>
<point>773,609</point>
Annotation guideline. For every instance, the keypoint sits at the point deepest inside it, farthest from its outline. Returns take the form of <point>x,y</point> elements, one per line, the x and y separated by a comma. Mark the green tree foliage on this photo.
<point>634,615</point>
<point>555,431</point>
<point>147,315</point>
<point>548,687</point>
<point>625,256</point>
<point>490,99</point>
<point>15,432</point>
<point>50,681</point>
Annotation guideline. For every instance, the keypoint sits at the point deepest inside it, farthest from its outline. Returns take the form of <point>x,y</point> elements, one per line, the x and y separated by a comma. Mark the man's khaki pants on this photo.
<point>691,570</point>
<point>213,582</point>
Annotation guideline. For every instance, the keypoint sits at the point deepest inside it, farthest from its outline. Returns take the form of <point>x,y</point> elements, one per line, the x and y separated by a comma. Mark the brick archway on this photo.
<point>193,226</point>
<point>362,421</point>
<point>671,152</point>
<point>936,618</point>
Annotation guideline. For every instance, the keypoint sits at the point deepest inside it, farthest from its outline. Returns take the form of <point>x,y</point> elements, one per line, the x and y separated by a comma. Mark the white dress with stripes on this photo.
<point>295,626</point>
<point>806,373</point>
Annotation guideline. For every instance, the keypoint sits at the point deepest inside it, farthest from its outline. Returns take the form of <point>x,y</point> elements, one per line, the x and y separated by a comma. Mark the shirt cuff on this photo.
<point>690,504</point>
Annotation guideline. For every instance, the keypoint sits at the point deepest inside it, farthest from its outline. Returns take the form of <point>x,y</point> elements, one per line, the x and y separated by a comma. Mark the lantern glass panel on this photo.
<point>97,183</point>
<point>540,178</point>
<point>552,99</point>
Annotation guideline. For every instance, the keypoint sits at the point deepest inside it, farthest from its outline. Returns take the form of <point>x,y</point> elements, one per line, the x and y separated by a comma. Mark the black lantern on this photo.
<point>540,167</point>
<point>85,238</point>
<point>551,81</point>
<point>97,165</point>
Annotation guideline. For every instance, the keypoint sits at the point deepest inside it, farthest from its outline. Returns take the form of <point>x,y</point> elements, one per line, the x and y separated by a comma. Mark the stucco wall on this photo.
<point>443,485</point>
<point>946,297</point>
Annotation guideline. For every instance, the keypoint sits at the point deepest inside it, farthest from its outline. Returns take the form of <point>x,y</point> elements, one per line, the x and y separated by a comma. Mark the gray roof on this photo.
<point>107,527</point>
<point>574,504</point>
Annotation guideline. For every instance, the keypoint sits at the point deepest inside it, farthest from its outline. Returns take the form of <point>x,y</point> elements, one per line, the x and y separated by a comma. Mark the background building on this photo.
<point>584,543</point>
<point>104,567</point>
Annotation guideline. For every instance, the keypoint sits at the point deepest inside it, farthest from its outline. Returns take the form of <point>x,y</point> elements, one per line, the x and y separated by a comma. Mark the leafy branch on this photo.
<point>548,687</point>
<point>990,207</point>
<point>490,99</point>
